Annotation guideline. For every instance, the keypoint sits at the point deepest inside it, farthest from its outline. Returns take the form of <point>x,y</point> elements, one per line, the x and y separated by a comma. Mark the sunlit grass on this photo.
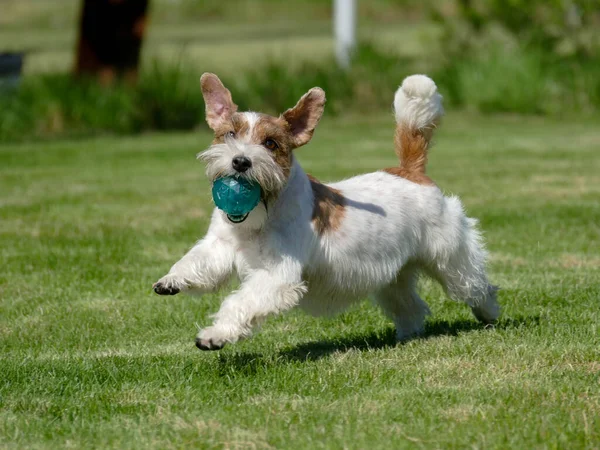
<point>91,358</point>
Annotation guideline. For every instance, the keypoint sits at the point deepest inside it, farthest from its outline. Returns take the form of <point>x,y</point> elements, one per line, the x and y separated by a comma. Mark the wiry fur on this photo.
<point>417,103</point>
<point>390,227</point>
<point>264,170</point>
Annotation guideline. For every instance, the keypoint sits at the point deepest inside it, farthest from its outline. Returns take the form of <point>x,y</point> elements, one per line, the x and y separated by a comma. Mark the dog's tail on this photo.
<point>418,110</point>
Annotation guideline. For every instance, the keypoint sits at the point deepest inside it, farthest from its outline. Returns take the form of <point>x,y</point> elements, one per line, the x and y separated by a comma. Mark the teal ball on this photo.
<point>235,196</point>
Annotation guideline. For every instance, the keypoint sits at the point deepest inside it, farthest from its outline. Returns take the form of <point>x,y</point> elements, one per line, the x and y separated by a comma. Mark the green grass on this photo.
<point>91,358</point>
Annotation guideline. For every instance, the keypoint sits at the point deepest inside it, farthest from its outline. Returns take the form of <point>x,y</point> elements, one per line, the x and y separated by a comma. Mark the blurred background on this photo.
<point>80,67</point>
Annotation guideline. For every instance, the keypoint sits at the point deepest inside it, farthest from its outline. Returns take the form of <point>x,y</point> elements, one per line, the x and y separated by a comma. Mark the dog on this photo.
<point>324,246</point>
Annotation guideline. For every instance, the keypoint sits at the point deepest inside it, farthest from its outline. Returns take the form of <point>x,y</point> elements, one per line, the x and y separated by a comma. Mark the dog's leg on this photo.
<point>402,303</point>
<point>264,292</point>
<point>207,265</point>
<point>463,276</point>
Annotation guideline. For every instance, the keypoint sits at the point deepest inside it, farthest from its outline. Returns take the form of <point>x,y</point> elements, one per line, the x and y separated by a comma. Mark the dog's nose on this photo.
<point>241,163</point>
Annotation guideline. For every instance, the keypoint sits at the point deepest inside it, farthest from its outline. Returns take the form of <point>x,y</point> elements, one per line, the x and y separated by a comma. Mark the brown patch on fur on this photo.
<point>328,208</point>
<point>277,129</point>
<point>238,124</point>
<point>411,146</point>
<point>415,177</point>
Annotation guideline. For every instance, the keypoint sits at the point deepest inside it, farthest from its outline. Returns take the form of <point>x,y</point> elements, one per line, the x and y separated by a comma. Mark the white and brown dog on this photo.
<point>324,246</point>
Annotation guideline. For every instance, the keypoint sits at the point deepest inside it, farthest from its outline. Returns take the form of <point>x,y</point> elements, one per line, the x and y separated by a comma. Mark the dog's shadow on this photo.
<point>312,351</point>
<point>249,363</point>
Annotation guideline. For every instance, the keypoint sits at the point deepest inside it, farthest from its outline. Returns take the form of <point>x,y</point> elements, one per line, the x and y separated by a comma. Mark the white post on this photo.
<point>344,17</point>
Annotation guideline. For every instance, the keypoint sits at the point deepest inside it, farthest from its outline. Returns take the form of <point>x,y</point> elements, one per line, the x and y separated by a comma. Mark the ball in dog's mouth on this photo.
<point>236,197</point>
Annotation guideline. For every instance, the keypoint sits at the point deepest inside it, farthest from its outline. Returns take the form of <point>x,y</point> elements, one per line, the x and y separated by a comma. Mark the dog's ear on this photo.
<point>219,106</point>
<point>304,117</point>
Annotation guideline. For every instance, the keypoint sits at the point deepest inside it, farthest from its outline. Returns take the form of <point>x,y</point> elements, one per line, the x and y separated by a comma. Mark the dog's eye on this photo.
<point>230,134</point>
<point>271,144</point>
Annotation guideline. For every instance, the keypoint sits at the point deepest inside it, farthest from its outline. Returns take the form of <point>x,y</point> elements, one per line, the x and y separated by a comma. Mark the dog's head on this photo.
<point>253,145</point>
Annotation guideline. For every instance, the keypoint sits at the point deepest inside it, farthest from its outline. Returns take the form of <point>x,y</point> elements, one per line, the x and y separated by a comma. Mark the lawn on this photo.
<point>92,358</point>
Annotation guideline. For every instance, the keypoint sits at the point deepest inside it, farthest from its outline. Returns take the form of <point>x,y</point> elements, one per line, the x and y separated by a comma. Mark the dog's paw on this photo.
<point>168,285</point>
<point>403,337</point>
<point>208,339</point>
<point>408,332</point>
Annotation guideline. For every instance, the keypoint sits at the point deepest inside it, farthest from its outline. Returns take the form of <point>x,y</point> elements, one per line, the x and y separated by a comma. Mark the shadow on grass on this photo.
<point>312,351</point>
<point>249,363</point>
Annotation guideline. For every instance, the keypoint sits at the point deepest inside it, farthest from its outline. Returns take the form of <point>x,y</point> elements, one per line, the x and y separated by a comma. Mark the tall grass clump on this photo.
<point>166,97</point>
<point>498,80</point>
<point>53,104</point>
<point>169,98</point>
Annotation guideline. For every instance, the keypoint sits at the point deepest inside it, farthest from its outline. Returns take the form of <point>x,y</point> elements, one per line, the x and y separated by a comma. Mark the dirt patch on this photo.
<point>572,261</point>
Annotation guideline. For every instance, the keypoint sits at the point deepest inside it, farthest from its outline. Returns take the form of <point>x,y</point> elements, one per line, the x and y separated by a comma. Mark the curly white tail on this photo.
<point>418,110</point>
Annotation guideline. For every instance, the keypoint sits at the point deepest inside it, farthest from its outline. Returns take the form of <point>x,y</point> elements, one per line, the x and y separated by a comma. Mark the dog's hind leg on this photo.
<point>401,302</point>
<point>462,273</point>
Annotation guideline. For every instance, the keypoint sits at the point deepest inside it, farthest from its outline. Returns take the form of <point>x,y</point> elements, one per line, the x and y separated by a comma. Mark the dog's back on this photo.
<point>389,215</point>
<point>396,224</point>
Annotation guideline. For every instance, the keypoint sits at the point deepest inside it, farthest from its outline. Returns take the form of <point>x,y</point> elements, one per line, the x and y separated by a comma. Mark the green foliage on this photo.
<point>497,81</point>
<point>521,56</point>
<point>481,65</point>
<point>368,85</point>
<point>168,97</point>
<point>51,104</point>
<point>562,28</point>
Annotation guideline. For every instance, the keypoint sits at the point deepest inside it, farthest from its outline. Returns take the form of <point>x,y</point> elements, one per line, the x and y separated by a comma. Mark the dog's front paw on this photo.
<point>209,339</point>
<point>168,285</point>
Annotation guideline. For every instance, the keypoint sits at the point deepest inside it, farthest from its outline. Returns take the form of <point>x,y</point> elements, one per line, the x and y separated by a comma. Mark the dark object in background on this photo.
<point>110,39</point>
<point>11,65</point>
